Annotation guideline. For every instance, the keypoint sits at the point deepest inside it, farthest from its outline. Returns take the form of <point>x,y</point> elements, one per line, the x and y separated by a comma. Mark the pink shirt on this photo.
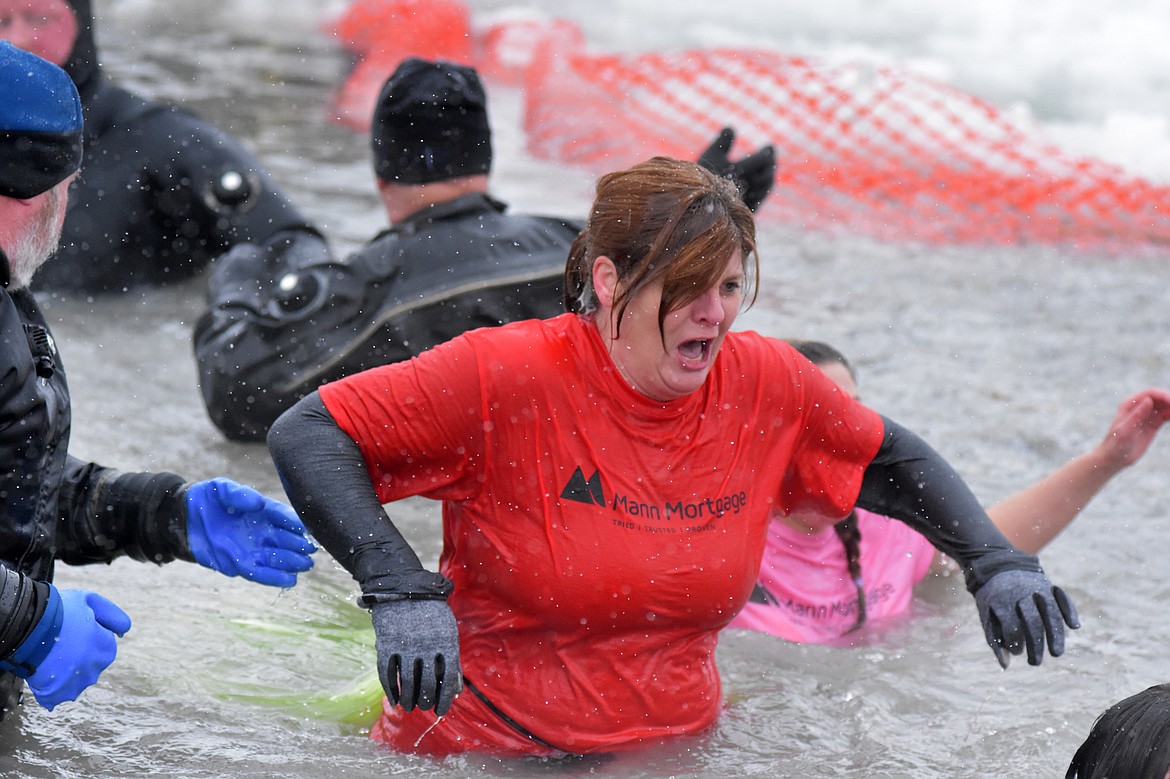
<point>811,596</point>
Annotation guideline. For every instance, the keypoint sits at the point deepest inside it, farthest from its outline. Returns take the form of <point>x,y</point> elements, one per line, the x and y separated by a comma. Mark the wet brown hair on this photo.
<point>662,219</point>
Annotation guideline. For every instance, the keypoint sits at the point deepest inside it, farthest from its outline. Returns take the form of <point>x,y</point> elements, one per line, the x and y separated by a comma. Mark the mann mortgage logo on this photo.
<point>681,516</point>
<point>584,490</point>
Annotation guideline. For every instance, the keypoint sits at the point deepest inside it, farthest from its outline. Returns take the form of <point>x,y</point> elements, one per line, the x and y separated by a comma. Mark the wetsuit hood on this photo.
<point>82,64</point>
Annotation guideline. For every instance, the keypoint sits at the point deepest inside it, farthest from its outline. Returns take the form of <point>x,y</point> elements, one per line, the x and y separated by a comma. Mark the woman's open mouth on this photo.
<point>696,351</point>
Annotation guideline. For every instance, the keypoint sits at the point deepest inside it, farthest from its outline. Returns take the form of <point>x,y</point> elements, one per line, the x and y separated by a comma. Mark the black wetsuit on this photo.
<point>161,192</point>
<point>53,506</point>
<point>282,321</point>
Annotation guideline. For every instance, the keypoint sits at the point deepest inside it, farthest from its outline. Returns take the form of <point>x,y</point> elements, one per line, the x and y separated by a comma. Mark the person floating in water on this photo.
<point>164,192</point>
<point>818,584</point>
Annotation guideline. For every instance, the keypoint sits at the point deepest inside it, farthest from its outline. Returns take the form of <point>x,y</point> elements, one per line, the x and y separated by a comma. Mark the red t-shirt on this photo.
<point>598,540</point>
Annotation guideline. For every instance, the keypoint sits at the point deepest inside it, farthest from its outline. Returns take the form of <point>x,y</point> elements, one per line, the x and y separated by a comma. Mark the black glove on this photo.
<point>247,274</point>
<point>1020,608</point>
<point>240,277</point>
<point>418,653</point>
<point>754,174</point>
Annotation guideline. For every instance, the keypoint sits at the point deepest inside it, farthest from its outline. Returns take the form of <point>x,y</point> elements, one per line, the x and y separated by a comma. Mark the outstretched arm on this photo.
<point>1034,516</point>
<point>1018,605</point>
<point>157,517</point>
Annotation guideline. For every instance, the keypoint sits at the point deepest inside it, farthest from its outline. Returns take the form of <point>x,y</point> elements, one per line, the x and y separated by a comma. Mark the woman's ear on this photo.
<point>605,281</point>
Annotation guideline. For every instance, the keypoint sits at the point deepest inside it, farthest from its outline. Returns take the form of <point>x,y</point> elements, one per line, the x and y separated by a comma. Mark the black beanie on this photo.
<point>431,124</point>
<point>83,59</point>
<point>40,124</point>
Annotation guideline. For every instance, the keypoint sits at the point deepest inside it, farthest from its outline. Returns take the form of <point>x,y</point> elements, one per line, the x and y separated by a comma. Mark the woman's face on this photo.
<point>46,28</point>
<point>675,362</point>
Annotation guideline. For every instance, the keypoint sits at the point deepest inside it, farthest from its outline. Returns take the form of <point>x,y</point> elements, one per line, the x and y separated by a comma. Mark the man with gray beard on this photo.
<point>54,507</point>
<point>29,249</point>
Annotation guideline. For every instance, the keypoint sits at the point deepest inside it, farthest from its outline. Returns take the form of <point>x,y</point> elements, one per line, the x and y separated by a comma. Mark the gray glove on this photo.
<point>1018,609</point>
<point>418,653</point>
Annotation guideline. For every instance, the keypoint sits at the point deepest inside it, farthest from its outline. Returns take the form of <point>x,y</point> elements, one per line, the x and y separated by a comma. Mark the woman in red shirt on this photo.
<point>606,479</point>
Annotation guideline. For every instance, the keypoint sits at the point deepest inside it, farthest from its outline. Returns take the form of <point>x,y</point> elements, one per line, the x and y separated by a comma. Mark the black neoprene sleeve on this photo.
<point>106,514</point>
<point>22,604</point>
<point>325,478</point>
<point>910,481</point>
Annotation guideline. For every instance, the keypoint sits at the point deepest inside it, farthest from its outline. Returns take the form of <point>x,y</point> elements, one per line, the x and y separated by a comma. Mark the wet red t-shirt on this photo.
<point>598,540</point>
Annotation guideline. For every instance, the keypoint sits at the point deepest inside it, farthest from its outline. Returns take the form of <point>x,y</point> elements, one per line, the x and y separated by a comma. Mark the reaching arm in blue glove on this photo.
<point>754,174</point>
<point>74,641</point>
<point>237,531</point>
<point>1018,606</point>
<point>416,634</point>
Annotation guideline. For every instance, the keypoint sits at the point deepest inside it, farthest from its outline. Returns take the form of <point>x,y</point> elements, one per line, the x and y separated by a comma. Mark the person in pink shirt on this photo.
<point>818,586</point>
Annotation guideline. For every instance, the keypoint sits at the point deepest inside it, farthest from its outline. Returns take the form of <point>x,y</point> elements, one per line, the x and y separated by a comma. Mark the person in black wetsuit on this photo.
<point>285,317</point>
<point>55,507</point>
<point>163,192</point>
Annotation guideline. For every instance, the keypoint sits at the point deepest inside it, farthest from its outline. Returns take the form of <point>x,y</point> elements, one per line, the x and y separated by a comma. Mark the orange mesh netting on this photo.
<point>380,34</point>
<point>861,149</point>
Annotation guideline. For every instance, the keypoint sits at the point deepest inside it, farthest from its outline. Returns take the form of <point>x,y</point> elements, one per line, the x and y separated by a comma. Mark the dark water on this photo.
<point>1009,361</point>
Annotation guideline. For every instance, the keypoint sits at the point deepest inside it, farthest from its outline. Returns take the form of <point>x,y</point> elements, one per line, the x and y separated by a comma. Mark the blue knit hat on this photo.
<point>40,124</point>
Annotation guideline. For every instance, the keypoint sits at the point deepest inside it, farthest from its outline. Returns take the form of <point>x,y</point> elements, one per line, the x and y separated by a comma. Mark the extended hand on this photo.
<point>754,174</point>
<point>1019,609</point>
<point>1138,420</point>
<point>237,531</point>
<point>418,653</point>
<point>80,646</point>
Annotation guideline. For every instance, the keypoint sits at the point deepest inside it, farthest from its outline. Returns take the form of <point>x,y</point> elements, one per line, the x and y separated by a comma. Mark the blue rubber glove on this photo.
<point>237,531</point>
<point>70,646</point>
<point>1019,609</point>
